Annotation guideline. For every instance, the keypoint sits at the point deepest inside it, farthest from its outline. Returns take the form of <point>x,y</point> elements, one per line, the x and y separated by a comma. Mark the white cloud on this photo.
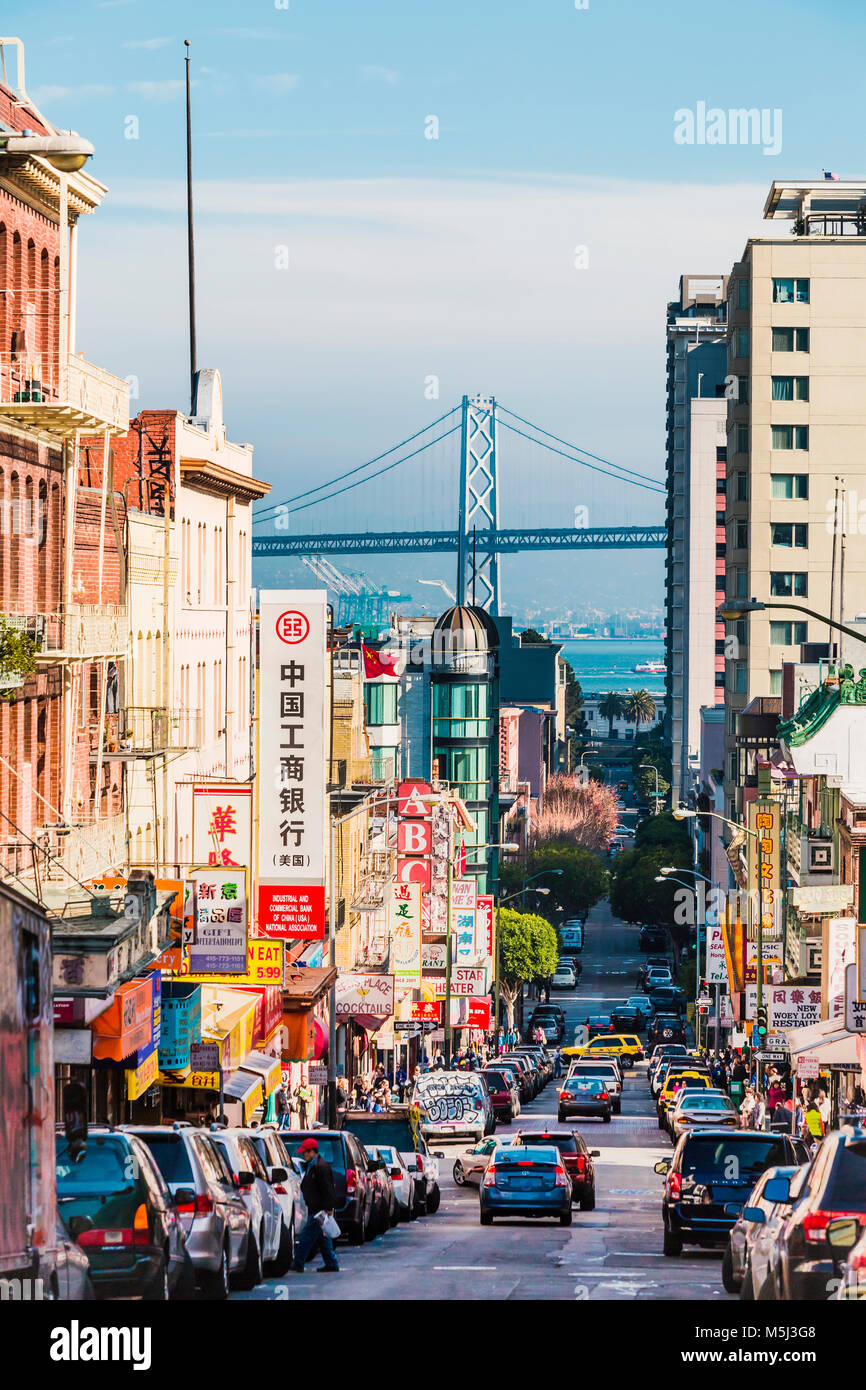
<point>377,74</point>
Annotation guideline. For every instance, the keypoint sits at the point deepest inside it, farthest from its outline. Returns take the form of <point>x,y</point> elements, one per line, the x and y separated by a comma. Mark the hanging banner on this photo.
<point>404,933</point>
<point>463,932</point>
<point>716,970</point>
<point>222,825</point>
<point>468,982</point>
<point>292,778</point>
<point>838,950</point>
<point>788,1006</point>
<point>764,859</point>
<point>484,920</point>
<point>220,909</point>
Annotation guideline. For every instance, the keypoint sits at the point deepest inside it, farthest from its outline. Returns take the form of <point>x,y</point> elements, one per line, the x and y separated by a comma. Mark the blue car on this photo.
<point>526,1181</point>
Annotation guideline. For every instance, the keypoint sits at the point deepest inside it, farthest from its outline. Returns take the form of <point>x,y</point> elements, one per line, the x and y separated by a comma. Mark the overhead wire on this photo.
<point>572,459</point>
<point>576,448</point>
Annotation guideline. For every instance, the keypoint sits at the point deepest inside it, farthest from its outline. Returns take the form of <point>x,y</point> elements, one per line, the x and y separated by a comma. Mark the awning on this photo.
<point>245,1087</point>
<point>827,1041</point>
<point>126,1026</point>
<point>267,1070</point>
<point>228,1017</point>
<point>302,988</point>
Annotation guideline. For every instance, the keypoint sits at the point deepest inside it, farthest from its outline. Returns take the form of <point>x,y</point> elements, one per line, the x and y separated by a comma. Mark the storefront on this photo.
<point>827,1057</point>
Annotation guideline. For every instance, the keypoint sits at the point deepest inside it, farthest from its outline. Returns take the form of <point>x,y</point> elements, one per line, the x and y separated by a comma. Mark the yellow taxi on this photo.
<point>627,1047</point>
<point>695,1080</point>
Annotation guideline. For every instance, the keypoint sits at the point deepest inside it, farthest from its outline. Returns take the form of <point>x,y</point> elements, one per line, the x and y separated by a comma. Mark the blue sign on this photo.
<point>181,1025</point>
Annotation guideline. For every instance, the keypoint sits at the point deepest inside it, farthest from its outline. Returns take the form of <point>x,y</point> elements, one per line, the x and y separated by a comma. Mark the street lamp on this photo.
<point>654,769</point>
<point>738,608</point>
<point>664,875</point>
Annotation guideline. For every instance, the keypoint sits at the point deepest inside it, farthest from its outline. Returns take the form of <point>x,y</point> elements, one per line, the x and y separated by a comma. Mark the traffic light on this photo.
<point>761,1022</point>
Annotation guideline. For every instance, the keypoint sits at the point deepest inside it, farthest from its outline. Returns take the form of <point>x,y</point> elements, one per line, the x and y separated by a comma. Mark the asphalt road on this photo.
<point>613,1252</point>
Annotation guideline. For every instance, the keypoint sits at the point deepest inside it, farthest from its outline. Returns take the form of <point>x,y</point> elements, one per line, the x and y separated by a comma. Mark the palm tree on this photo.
<point>610,708</point>
<point>640,708</point>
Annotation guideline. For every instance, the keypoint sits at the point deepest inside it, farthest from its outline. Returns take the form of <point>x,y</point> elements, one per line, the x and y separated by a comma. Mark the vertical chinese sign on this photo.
<point>484,927</point>
<point>463,901</point>
<point>292,775</point>
<point>222,825</point>
<point>763,857</point>
<point>404,931</point>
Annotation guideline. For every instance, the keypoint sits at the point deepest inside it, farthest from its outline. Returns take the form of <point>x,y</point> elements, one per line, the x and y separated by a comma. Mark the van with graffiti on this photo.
<point>452,1104</point>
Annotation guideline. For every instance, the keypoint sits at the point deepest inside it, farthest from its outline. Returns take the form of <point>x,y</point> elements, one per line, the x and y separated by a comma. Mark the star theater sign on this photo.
<point>291,764</point>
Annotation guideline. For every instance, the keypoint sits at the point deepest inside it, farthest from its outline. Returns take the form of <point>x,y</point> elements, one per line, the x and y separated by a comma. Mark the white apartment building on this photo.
<point>187,708</point>
<point>797,347</point>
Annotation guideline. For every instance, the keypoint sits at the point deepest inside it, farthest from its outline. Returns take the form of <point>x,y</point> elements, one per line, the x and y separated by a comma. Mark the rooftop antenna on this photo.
<point>190,241</point>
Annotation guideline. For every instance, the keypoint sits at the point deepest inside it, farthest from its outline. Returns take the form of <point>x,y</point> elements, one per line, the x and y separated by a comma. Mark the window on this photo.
<point>788,634</point>
<point>790,533</point>
<point>741,342</point>
<point>742,439</point>
<point>741,536</point>
<point>741,583</point>
<point>742,487</point>
<point>790,291</point>
<point>469,766</point>
<point>740,686</point>
<point>720,679</point>
<point>743,294</point>
<point>790,388</point>
<point>461,711</point>
<point>776,682</point>
<point>721,486</point>
<point>790,485</point>
<point>381,703</point>
<point>790,436</point>
<point>790,340</point>
<point>789,584</point>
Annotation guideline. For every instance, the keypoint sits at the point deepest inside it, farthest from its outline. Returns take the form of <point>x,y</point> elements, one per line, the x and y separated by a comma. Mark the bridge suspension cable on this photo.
<point>264,514</point>
<point>649,484</point>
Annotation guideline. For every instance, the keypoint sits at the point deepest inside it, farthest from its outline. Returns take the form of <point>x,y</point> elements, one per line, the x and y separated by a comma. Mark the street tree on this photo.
<point>610,708</point>
<point>639,708</point>
<point>528,951</point>
<point>580,882</point>
<point>575,812</point>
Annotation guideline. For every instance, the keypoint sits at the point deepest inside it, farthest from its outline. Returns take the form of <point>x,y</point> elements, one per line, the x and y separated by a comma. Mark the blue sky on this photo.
<point>411,257</point>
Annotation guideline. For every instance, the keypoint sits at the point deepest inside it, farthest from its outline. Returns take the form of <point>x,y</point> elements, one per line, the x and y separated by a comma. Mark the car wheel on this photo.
<point>587,1203</point>
<point>433,1200</point>
<point>767,1291</point>
<point>215,1283</point>
<point>486,1218</point>
<point>627,1062</point>
<point>606,1118</point>
<point>285,1251</point>
<point>560,1117</point>
<point>747,1288</point>
<point>565,1218</point>
<point>458,1173</point>
<point>185,1288</point>
<point>672,1244</point>
<point>254,1271</point>
<point>729,1283</point>
<point>356,1233</point>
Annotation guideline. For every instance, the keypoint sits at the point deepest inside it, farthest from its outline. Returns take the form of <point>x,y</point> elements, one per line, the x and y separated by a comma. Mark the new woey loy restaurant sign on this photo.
<point>292,750</point>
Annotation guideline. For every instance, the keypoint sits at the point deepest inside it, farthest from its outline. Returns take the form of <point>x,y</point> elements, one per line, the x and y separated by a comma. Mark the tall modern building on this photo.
<point>796,431</point>
<point>695,564</point>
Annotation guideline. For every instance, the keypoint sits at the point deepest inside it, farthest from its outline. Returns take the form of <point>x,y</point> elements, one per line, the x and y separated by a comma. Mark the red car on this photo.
<point>576,1159</point>
<point>503,1093</point>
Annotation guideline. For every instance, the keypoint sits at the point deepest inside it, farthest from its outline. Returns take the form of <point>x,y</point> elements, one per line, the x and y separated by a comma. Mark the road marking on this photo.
<point>473,1267</point>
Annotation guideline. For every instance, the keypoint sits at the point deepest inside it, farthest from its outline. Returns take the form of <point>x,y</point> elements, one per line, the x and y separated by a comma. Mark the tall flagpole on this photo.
<point>190,240</point>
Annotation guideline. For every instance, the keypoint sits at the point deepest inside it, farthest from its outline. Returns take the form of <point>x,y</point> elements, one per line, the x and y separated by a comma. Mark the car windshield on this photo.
<point>330,1149</point>
<point>846,1190</point>
<point>171,1156</point>
<point>103,1168</point>
<point>583,1083</point>
<point>495,1080</point>
<point>383,1129</point>
<point>566,1143</point>
<point>526,1154</point>
<point>742,1157</point>
<point>699,1100</point>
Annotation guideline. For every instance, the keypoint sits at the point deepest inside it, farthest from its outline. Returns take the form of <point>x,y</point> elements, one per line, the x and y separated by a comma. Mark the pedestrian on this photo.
<point>775,1092</point>
<point>747,1108</point>
<point>759,1113</point>
<point>304,1098</point>
<point>319,1193</point>
<point>825,1108</point>
<point>557,1064</point>
<point>283,1106</point>
<point>814,1122</point>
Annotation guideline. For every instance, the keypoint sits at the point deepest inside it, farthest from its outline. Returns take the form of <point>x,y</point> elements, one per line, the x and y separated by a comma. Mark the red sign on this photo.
<point>484,922</point>
<point>414,837</point>
<point>478,1013</point>
<point>410,798</point>
<point>292,626</point>
<point>428,1011</point>
<point>291,912</point>
<point>415,871</point>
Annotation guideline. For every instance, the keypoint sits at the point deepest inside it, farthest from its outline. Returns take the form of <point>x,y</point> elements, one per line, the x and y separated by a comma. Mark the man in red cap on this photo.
<point>319,1193</point>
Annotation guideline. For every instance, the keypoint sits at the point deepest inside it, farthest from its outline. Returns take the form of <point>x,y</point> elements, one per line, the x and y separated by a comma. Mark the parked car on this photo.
<point>386,1211</point>
<point>528,1180</point>
<point>852,1284</point>
<point>402,1178</point>
<point>571,935</point>
<point>708,1180</point>
<point>268,1243</point>
<point>695,1106</point>
<point>541,1056</point>
<point>512,1065</point>
<point>584,1095</point>
<point>471,1164</point>
<point>576,1157</point>
<point>285,1181</point>
<point>807,1258</point>
<point>72,1282</point>
<point>504,1096</point>
<point>115,1204</point>
<point>563,977</point>
<point>215,1220</point>
<point>395,1126</point>
<point>356,1191</point>
<point>744,1263</point>
<point>529,1070</point>
<point>452,1104</point>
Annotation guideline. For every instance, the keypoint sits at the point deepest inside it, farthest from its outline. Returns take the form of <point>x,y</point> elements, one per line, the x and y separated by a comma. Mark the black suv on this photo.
<point>653,939</point>
<point>709,1178</point>
<point>353,1180</point>
<point>805,1262</point>
<point>395,1127</point>
<point>665,1028</point>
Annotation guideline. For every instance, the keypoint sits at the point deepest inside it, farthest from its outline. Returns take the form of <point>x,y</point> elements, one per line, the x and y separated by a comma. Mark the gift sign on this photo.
<point>220,911</point>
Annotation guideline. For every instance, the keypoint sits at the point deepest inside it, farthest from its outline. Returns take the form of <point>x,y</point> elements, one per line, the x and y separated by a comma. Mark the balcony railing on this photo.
<point>62,853</point>
<point>87,632</point>
<point>60,397</point>
<point>142,731</point>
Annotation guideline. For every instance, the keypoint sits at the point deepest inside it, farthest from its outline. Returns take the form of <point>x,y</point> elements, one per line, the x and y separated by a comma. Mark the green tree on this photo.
<point>640,708</point>
<point>530,636</point>
<point>645,783</point>
<point>528,951</point>
<point>611,707</point>
<point>582,882</point>
<point>665,830</point>
<point>17,657</point>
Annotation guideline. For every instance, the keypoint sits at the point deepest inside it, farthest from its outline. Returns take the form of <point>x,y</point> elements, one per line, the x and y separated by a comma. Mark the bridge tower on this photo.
<point>479,505</point>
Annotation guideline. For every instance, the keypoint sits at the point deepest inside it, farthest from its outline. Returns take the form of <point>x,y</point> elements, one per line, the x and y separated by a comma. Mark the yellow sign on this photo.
<point>251,1102</point>
<point>764,856</point>
<point>264,967</point>
<point>138,1081</point>
<point>198,1080</point>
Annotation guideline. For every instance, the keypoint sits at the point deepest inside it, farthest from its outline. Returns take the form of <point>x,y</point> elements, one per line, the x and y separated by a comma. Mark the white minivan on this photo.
<point>452,1104</point>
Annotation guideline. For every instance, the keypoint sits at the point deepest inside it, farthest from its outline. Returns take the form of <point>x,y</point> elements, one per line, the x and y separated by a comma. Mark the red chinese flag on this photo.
<point>381,663</point>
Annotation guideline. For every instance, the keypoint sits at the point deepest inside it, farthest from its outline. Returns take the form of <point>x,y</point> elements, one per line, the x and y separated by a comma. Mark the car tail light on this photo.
<point>281,1189</point>
<point>603,1095</point>
<point>525,1163</point>
<point>104,1236</point>
<point>561,1177</point>
<point>351,1181</point>
<point>675,1186</point>
<point>140,1226</point>
<point>815,1223</point>
<point>202,1206</point>
<point>490,1176</point>
<point>563,1095</point>
<point>419,1163</point>
<point>581,1163</point>
<point>396,1172</point>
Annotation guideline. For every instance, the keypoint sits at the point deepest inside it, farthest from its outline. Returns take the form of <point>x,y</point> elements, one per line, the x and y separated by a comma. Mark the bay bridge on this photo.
<point>479,538</point>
